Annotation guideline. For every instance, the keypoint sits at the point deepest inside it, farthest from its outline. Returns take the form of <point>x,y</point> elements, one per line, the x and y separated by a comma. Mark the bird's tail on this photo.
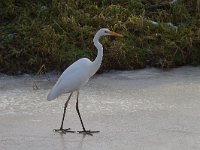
<point>49,96</point>
<point>52,95</point>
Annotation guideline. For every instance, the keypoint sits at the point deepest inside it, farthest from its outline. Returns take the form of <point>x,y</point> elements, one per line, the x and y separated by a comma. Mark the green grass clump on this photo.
<point>56,33</point>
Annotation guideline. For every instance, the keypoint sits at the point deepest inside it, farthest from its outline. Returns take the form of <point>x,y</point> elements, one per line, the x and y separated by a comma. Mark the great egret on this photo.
<point>77,75</point>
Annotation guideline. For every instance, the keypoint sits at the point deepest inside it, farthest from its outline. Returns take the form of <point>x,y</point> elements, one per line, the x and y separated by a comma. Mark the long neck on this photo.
<point>97,62</point>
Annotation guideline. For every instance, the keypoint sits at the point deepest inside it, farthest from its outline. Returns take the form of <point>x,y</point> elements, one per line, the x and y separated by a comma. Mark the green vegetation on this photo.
<point>58,32</point>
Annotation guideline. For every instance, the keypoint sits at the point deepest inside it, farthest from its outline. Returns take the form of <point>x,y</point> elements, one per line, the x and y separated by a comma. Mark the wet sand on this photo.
<point>146,109</point>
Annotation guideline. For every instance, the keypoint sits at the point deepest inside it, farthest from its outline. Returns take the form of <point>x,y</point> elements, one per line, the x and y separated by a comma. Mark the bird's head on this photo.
<point>105,31</point>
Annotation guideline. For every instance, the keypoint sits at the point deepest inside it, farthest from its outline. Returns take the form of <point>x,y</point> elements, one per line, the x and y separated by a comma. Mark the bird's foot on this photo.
<point>64,131</point>
<point>88,132</point>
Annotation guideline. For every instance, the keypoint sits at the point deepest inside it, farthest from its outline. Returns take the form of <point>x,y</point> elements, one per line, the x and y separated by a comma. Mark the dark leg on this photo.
<point>84,131</point>
<point>61,130</point>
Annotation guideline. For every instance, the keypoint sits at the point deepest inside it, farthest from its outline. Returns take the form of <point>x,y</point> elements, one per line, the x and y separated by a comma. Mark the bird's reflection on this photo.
<point>68,144</point>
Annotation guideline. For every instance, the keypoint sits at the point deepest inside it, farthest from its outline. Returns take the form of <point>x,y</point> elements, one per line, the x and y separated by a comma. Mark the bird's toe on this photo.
<point>88,132</point>
<point>64,131</point>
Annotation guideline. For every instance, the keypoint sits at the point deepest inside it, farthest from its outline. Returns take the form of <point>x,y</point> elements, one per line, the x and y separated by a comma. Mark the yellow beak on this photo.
<point>115,34</point>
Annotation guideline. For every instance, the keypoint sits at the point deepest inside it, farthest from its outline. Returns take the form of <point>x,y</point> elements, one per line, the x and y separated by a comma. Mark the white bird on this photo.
<point>77,75</point>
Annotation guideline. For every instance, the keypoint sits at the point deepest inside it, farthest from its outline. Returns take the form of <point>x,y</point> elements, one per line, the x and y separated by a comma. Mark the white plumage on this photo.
<point>74,77</point>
